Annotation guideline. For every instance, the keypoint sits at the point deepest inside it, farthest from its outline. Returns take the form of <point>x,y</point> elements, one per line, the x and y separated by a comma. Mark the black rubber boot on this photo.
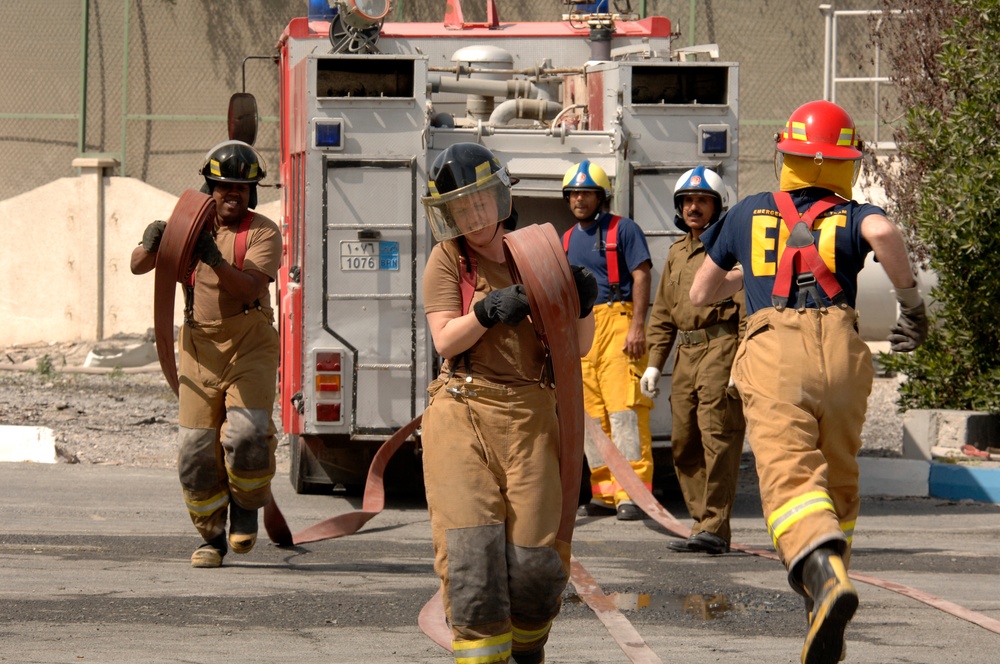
<point>530,657</point>
<point>242,528</point>
<point>834,601</point>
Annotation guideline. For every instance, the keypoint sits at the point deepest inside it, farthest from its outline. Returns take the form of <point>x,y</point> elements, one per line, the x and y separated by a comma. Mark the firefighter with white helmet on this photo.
<point>707,433</point>
<point>802,370</point>
<point>228,357</point>
<point>490,435</point>
<point>614,249</point>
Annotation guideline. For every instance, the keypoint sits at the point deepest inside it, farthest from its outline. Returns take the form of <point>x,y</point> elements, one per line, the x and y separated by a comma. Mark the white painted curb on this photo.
<point>36,444</point>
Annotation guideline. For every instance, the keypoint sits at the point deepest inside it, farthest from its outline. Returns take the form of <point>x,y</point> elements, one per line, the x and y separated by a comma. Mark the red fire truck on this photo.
<point>366,106</point>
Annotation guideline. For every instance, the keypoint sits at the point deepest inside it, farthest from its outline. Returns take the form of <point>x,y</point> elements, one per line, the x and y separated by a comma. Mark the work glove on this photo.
<point>586,288</point>
<point>152,235</point>
<point>648,382</point>
<point>206,250</point>
<point>505,305</point>
<point>911,327</point>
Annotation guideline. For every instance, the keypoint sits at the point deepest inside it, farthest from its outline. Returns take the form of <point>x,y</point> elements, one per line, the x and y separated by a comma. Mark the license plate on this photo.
<point>368,256</point>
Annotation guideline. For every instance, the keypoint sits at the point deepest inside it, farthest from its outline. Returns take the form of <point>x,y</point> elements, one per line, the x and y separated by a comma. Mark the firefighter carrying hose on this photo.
<point>706,439</point>
<point>614,249</point>
<point>228,357</point>
<point>490,435</point>
<point>802,369</point>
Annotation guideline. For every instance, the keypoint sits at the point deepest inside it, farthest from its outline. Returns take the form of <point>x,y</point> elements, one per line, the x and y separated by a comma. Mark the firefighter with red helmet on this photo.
<point>707,430</point>
<point>490,435</point>
<point>228,358</point>
<point>613,248</point>
<point>802,369</point>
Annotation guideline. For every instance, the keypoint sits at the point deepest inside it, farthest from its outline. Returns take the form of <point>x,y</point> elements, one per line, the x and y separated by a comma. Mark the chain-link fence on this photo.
<point>147,81</point>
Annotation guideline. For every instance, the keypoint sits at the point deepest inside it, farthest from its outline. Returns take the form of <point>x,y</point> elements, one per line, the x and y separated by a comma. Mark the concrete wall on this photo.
<point>52,268</point>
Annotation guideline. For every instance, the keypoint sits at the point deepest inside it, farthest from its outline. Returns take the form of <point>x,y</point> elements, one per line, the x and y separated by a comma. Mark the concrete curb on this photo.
<point>923,479</point>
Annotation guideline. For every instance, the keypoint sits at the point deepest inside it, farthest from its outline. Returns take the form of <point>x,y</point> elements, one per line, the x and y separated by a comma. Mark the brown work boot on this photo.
<point>834,601</point>
<point>242,528</point>
<point>209,554</point>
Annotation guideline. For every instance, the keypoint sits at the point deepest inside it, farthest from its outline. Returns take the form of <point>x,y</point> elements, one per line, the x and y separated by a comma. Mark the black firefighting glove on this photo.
<point>586,288</point>
<point>910,329</point>
<point>206,250</point>
<point>506,305</point>
<point>152,235</point>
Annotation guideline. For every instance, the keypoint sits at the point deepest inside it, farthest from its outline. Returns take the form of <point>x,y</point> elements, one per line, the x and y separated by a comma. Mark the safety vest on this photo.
<point>610,255</point>
<point>801,259</point>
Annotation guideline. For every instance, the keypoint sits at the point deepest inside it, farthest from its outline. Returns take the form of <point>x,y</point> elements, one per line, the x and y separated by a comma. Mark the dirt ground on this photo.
<point>128,417</point>
<point>123,417</point>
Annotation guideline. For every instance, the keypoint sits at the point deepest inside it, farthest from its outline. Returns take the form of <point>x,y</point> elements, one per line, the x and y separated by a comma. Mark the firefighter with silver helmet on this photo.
<point>228,357</point>
<point>707,433</point>
<point>490,435</point>
<point>614,249</point>
<point>802,370</point>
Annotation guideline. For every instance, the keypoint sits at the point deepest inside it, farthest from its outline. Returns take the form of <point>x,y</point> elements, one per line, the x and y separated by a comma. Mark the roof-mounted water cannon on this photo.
<point>354,24</point>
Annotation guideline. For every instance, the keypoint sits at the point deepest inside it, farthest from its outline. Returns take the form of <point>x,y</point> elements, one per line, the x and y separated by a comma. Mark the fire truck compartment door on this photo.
<point>369,249</point>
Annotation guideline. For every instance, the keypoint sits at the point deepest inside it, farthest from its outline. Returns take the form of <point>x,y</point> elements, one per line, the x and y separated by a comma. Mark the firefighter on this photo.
<point>228,358</point>
<point>614,250</point>
<point>708,427</point>
<point>490,435</point>
<point>802,369</point>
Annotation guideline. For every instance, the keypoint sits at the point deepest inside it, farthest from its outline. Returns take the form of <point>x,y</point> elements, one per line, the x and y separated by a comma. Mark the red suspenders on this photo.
<point>610,253</point>
<point>240,246</point>
<point>239,255</point>
<point>800,258</point>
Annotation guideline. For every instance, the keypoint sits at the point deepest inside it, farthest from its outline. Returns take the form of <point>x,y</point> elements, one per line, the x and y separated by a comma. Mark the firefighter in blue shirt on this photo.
<point>802,369</point>
<point>614,250</point>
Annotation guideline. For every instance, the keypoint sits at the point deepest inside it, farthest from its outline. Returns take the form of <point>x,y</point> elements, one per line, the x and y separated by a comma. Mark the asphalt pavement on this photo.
<point>94,567</point>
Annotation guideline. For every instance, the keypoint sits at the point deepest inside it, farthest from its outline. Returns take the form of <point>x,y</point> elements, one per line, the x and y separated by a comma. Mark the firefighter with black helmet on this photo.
<point>490,435</point>
<point>228,358</point>
<point>614,249</point>
<point>706,439</point>
<point>802,370</point>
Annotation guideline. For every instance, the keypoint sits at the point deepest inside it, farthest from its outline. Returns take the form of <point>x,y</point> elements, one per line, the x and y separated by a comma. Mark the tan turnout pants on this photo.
<point>491,470</point>
<point>805,379</point>
<point>227,375</point>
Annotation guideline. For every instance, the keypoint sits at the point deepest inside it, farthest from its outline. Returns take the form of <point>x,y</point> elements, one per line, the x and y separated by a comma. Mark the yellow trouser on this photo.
<point>612,396</point>
<point>227,375</point>
<point>707,434</point>
<point>805,379</point>
<point>491,470</point>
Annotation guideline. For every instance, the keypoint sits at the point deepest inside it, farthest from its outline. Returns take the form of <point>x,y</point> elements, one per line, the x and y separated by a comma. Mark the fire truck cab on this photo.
<point>366,106</point>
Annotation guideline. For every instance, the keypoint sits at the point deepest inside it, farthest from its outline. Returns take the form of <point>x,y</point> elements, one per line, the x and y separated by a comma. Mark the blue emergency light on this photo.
<point>320,10</point>
<point>329,134</point>
<point>713,140</point>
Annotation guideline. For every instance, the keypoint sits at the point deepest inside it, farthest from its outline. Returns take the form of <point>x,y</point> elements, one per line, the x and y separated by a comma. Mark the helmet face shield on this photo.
<point>470,208</point>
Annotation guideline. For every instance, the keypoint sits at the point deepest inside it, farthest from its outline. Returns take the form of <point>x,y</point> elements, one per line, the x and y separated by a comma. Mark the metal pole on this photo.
<point>833,60</point>
<point>84,37</point>
<point>100,252</point>
<point>128,4</point>
<point>827,11</point>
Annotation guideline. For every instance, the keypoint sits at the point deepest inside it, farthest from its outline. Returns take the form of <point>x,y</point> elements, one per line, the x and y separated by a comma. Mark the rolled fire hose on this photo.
<point>175,262</point>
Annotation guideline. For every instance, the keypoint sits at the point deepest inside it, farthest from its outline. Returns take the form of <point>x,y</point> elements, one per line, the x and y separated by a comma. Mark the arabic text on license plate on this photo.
<point>358,256</point>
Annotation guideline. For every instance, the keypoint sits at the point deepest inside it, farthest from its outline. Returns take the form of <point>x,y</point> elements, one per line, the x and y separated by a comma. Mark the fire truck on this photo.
<point>366,106</point>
